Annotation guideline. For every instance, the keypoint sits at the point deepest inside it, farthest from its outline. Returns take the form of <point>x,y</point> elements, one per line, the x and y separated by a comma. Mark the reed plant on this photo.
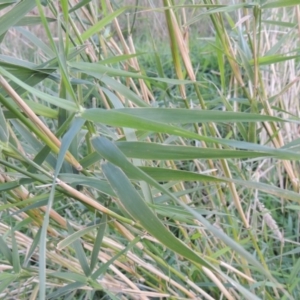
<point>126,180</point>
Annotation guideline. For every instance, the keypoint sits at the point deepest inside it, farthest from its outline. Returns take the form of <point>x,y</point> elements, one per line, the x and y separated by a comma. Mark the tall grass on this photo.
<point>149,150</point>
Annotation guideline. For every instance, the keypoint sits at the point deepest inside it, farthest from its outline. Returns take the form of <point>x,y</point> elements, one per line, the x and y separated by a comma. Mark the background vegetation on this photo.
<point>149,149</point>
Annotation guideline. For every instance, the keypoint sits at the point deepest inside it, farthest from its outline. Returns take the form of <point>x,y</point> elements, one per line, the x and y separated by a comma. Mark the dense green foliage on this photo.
<point>149,152</point>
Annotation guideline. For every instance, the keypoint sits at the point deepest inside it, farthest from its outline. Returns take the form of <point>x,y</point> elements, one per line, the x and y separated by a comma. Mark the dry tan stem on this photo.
<point>182,45</point>
<point>33,117</point>
<point>218,283</point>
<point>231,268</point>
<point>22,193</point>
<point>87,199</point>
<point>125,232</point>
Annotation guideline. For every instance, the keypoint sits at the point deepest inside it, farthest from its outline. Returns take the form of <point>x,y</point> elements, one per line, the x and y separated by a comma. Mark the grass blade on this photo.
<point>12,17</point>
<point>118,119</point>
<point>110,152</point>
<point>80,252</point>
<point>15,254</point>
<point>66,141</point>
<point>155,151</point>
<point>6,251</point>
<point>98,242</point>
<point>138,209</point>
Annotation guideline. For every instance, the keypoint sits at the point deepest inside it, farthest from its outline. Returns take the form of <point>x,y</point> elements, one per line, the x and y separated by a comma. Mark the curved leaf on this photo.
<point>118,119</point>
<point>180,115</point>
<point>170,152</point>
<point>139,210</point>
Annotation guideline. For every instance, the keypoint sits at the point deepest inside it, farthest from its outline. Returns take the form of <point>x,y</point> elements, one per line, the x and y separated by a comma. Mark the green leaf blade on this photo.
<point>138,209</point>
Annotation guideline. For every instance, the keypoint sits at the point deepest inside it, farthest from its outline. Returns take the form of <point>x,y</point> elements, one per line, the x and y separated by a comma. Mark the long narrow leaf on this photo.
<point>138,209</point>
<point>155,151</point>
<point>99,25</point>
<point>51,99</point>
<point>80,253</point>
<point>178,115</point>
<point>116,118</point>
<point>66,141</point>
<point>98,242</point>
<point>110,152</point>
<point>5,251</point>
<point>15,254</point>
<point>12,17</point>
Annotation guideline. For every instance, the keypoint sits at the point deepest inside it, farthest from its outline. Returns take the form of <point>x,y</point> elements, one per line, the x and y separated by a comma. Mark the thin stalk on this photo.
<point>41,129</point>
